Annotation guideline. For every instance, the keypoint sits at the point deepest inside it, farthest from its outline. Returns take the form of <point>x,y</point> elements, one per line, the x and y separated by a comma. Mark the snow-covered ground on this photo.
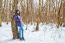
<point>48,33</point>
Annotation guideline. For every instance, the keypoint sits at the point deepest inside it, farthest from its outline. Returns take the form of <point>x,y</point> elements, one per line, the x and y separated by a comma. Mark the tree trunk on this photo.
<point>13,24</point>
<point>0,11</point>
<point>37,27</point>
<point>64,14</point>
<point>58,16</point>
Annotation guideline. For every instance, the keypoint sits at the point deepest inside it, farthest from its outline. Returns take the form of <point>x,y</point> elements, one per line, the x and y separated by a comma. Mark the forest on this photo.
<point>45,11</point>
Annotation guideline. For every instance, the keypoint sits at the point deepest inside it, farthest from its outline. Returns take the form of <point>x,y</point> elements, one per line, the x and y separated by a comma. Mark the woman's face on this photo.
<point>18,12</point>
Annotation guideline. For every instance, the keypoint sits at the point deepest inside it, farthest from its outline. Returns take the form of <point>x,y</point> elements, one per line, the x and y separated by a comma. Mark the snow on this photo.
<point>48,33</point>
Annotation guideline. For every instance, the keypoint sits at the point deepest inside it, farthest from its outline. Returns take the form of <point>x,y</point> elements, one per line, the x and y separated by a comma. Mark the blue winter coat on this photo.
<point>17,19</point>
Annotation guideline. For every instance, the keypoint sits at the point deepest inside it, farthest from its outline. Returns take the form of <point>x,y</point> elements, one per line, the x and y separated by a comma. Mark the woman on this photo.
<point>19,24</point>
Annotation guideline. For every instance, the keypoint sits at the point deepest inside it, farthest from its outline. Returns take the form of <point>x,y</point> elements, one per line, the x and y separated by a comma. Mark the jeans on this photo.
<point>20,31</point>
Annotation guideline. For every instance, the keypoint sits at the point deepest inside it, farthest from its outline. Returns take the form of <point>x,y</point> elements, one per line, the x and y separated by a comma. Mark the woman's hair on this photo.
<point>16,12</point>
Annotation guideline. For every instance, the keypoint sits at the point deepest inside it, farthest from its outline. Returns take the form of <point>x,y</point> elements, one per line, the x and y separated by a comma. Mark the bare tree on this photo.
<point>13,24</point>
<point>38,16</point>
<point>63,13</point>
<point>0,11</point>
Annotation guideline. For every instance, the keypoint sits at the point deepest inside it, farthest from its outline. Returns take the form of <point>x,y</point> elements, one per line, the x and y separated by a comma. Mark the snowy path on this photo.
<point>45,35</point>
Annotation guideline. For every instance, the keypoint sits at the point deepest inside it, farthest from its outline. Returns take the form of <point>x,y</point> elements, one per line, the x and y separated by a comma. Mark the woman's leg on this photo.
<point>18,34</point>
<point>21,31</point>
